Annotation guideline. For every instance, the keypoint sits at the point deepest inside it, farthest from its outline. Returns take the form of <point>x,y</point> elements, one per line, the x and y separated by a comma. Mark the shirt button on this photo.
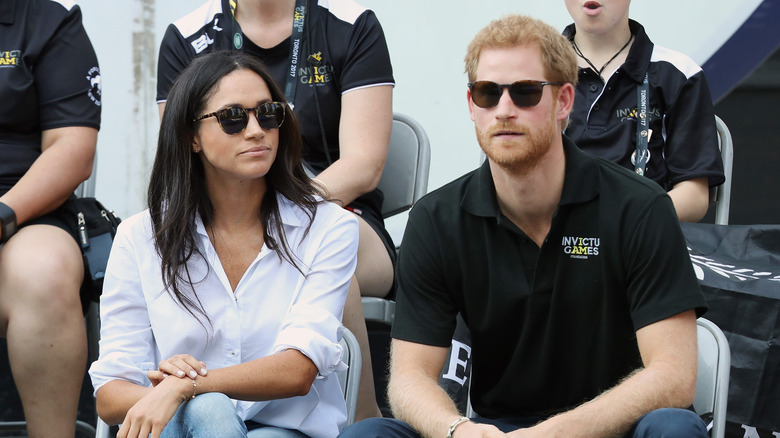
<point>596,107</point>
<point>594,88</point>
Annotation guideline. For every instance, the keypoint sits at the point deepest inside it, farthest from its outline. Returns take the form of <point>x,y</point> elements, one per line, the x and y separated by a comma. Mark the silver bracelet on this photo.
<point>455,424</point>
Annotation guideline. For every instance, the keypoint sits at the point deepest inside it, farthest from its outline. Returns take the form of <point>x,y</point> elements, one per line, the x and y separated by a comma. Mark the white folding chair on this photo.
<point>404,181</point>
<point>721,195</point>
<point>712,382</point>
<point>350,379</point>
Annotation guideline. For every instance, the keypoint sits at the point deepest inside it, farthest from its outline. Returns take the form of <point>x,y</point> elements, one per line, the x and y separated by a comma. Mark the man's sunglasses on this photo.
<point>234,120</point>
<point>486,94</point>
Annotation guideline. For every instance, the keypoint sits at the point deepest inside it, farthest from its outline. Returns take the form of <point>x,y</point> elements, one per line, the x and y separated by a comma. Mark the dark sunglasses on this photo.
<point>486,94</point>
<point>234,120</point>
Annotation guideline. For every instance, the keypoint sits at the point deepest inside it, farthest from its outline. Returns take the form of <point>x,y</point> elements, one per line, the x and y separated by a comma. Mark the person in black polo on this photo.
<point>571,273</point>
<point>50,103</point>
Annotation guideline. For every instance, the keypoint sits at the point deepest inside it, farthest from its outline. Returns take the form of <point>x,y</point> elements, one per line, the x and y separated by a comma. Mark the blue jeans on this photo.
<point>661,423</point>
<point>207,415</point>
<point>214,415</point>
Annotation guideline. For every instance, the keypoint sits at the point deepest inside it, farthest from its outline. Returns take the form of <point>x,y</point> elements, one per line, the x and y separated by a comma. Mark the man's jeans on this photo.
<point>667,423</point>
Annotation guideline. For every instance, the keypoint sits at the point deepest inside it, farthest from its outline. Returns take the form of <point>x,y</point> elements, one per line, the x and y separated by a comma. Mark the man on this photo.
<point>570,272</point>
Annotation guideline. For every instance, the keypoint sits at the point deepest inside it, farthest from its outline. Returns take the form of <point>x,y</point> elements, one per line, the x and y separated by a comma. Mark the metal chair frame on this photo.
<point>404,181</point>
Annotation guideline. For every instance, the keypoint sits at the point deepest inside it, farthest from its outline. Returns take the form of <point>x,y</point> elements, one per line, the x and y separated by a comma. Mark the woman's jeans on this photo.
<point>214,415</point>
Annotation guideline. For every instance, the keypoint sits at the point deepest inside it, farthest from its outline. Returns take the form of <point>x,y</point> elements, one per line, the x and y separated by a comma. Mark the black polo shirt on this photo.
<point>49,78</point>
<point>683,144</point>
<point>555,326</point>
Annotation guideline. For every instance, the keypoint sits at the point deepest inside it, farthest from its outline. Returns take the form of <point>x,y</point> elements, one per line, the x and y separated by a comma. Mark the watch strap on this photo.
<point>7,222</point>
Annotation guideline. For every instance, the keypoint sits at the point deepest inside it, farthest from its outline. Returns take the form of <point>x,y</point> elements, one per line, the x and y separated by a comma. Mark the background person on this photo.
<point>342,93</point>
<point>233,280</point>
<point>551,256</point>
<point>614,54</point>
<point>49,119</point>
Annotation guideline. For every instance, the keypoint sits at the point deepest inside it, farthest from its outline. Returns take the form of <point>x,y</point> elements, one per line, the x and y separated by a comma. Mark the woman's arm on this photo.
<point>65,162</point>
<point>364,138</point>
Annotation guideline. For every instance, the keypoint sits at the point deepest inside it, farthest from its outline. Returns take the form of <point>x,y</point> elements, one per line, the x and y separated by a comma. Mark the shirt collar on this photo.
<point>580,183</point>
<point>638,59</point>
<point>7,9</point>
<point>289,213</point>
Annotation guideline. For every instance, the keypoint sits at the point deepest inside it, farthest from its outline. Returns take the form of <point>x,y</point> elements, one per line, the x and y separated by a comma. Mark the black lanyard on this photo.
<point>642,153</point>
<point>296,41</point>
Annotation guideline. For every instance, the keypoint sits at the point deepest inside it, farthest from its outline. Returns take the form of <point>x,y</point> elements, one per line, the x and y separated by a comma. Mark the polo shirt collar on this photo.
<point>638,59</point>
<point>581,179</point>
<point>580,183</point>
<point>479,198</point>
<point>7,8</point>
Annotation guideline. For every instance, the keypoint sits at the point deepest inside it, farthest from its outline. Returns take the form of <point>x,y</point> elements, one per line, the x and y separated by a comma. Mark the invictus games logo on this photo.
<point>581,247</point>
<point>318,71</point>
<point>631,113</point>
<point>10,58</point>
<point>95,85</point>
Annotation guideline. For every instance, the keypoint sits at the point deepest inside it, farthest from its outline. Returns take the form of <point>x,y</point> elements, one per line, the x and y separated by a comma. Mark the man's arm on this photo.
<point>691,199</point>
<point>416,397</point>
<point>668,379</point>
<point>66,160</point>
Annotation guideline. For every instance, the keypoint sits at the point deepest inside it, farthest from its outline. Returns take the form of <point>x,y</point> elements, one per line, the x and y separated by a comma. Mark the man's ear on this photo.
<point>565,101</point>
<point>470,103</point>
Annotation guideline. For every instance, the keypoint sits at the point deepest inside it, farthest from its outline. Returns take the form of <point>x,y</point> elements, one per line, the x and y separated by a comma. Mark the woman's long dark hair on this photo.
<point>177,186</point>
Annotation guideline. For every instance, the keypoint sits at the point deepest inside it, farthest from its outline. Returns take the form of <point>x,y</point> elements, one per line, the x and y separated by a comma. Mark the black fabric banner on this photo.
<point>738,267</point>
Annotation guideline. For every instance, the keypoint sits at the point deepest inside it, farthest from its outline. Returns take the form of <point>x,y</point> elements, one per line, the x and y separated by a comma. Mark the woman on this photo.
<point>234,279</point>
<point>332,61</point>
<point>614,55</point>
<point>49,121</point>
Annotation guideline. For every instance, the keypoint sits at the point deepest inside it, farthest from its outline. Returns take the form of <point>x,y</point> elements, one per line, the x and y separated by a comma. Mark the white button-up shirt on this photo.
<point>273,308</point>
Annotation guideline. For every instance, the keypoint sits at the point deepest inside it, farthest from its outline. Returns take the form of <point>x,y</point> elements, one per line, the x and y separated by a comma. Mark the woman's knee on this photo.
<point>208,415</point>
<point>670,423</point>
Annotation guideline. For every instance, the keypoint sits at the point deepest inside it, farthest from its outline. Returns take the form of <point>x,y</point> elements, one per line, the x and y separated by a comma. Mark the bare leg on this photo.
<point>40,314</point>
<point>353,318</point>
<point>374,268</point>
<point>374,276</point>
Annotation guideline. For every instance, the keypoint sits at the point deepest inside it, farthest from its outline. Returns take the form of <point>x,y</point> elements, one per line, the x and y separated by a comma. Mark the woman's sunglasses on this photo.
<point>234,120</point>
<point>486,94</point>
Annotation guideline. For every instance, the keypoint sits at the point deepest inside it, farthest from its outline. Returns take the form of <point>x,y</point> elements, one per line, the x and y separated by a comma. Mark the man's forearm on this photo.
<point>614,412</point>
<point>421,403</point>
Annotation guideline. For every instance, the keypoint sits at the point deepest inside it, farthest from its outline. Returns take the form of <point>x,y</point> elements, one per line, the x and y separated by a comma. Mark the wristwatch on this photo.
<point>7,222</point>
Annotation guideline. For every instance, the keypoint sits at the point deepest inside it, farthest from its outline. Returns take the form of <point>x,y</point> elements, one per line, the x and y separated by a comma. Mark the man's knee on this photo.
<point>379,428</point>
<point>670,423</point>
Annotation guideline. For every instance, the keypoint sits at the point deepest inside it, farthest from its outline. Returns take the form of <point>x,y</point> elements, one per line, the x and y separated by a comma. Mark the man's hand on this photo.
<point>477,430</point>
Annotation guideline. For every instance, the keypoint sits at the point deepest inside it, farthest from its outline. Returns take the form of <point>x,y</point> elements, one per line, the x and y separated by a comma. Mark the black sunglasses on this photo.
<point>486,94</point>
<point>233,120</point>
